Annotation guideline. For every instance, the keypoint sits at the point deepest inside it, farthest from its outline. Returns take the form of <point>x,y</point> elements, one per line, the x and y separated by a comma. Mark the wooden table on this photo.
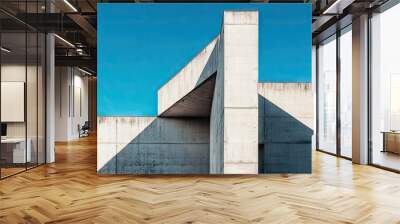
<point>391,141</point>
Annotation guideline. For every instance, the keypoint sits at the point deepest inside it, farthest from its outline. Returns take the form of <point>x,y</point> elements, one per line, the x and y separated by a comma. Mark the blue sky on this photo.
<point>141,46</point>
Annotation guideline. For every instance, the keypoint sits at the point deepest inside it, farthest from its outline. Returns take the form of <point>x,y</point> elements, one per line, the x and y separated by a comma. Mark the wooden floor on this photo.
<point>387,159</point>
<point>70,191</point>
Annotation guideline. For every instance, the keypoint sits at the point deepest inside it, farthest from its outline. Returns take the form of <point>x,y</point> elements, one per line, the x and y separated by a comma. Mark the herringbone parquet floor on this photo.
<point>70,191</point>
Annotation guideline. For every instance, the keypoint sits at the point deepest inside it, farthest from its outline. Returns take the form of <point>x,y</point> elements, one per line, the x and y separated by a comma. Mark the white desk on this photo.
<point>19,155</point>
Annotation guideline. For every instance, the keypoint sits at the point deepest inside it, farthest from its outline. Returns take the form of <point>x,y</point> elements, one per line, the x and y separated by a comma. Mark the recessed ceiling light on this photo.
<point>65,41</point>
<point>5,50</point>
<point>70,5</point>
<point>338,6</point>
<point>84,71</point>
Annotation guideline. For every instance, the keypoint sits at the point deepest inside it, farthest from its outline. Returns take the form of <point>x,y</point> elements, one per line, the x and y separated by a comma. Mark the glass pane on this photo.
<point>346,93</point>
<point>13,88</point>
<point>386,89</point>
<point>327,95</point>
<point>41,98</point>
<point>31,100</point>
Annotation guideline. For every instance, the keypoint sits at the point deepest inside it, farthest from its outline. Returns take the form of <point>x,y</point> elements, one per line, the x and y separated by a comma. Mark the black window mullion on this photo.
<point>317,96</point>
<point>37,89</point>
<point>0,97</point>
<point>338,81</point>
<point>26,86</point>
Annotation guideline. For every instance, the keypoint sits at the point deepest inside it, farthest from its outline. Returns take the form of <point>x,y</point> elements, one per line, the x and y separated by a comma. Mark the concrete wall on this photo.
<point>286,127</point>
<point>150,145</point>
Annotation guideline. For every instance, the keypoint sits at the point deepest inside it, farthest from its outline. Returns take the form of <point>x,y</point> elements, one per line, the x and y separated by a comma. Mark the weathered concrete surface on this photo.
<point>186,80</point>
<point>149,145</point>
<point>234,107</point>
<point>217,116</point>
<point>286,123</point>
<point>240,47</point>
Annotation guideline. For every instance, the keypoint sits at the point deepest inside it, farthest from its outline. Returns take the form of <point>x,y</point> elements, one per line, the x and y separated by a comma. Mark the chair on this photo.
<point>84,130</point>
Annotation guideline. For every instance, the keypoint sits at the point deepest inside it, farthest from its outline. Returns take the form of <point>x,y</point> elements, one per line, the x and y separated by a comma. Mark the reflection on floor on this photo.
<point>70,191</point>
<point>387,159</point>
<point>11,169</point>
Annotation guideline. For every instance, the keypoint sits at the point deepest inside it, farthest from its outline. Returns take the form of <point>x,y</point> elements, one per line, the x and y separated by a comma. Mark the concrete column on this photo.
<point>50,99</point>
<point>50,92</point>
<point>240,92</point>
<point>360,90</point>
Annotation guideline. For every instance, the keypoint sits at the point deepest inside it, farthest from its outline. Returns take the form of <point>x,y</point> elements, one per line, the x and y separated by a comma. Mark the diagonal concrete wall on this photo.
<point>199,69</point>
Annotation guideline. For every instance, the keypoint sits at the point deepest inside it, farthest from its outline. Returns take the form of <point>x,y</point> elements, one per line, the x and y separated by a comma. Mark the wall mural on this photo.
<point>198,88</point>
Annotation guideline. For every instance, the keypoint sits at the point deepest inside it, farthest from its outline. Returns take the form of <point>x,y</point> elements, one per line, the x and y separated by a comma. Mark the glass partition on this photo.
<point>31,100</point>
<point>41,97</point>
<point>13,94</point>
<point>22,78</point>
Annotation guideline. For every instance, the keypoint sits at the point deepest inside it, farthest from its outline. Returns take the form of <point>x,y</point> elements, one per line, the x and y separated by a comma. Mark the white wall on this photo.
<point>71,87</point>
<point>17,73</point>
<point>33,126</point>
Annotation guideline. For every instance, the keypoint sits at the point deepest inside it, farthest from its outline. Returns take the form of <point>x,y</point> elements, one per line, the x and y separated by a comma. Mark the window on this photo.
<point>385,89</point>
<point>327,95</point>
<point>346,92</point>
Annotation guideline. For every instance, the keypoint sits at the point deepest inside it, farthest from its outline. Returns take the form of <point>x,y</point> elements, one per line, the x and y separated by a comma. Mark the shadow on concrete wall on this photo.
<point>172,145</point>
<point>287,141</point>
<point>165,146</point>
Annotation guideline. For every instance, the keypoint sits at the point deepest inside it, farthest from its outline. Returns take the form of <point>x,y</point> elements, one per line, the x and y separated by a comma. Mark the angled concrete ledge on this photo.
<point>199,69</point>
<point>197,103</point>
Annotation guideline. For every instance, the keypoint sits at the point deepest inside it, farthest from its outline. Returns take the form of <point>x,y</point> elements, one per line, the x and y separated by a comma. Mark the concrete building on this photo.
<point>206,125</point>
